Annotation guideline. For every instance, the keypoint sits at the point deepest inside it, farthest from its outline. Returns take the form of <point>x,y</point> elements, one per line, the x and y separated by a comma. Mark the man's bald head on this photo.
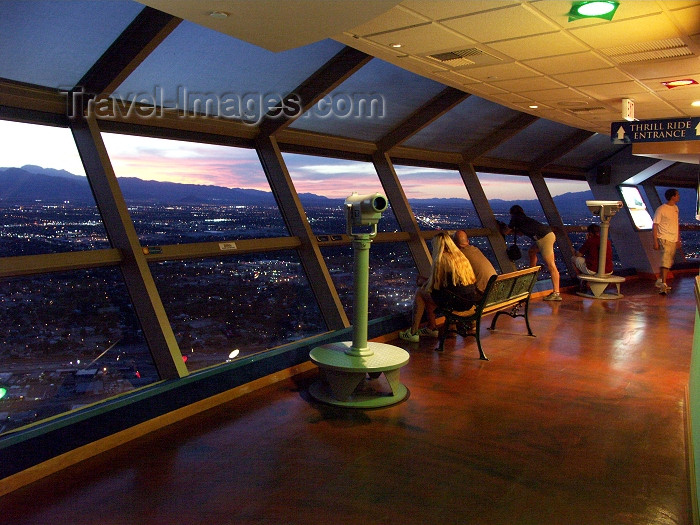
<point>461,238</point>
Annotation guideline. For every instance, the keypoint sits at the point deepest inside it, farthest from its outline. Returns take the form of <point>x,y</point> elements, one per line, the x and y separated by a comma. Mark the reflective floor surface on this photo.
<point>582,424</point>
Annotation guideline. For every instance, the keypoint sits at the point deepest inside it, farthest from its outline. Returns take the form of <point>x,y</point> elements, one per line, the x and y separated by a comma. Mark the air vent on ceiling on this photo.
<point>646,51</point>
<point>465,57</point>
<point>584,110</point>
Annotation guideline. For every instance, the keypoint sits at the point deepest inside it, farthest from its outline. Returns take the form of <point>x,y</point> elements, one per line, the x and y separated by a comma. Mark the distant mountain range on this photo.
<point>33,183</point>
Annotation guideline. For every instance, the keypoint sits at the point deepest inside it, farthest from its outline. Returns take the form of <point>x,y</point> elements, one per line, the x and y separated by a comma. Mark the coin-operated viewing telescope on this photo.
<point>599,282</point>
<point>604,209</point>
<point>345,366</point>
<point>364,210</point>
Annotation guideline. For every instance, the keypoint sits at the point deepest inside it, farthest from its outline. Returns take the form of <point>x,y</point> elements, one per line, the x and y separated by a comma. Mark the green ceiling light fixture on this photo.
<point>593,9</point>
<point>3,392</point>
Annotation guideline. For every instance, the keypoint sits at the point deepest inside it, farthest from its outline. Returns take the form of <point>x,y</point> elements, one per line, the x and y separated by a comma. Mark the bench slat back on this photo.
<point>508,286</point>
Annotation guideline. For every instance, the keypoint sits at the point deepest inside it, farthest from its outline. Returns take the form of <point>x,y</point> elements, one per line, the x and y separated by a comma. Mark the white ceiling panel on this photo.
<point>501,24</point>
<point>453,8</point>
<point>615,90</point>
<point>591,78</point>
<point>626,32</point>
<point>689,19</point>
<point>569,63</point>
<point>396,18</point>
<point>528,84</point>
<point>499,72</point>
<point>557,95</point>
<point>550,44</point>
<point>423,40</point>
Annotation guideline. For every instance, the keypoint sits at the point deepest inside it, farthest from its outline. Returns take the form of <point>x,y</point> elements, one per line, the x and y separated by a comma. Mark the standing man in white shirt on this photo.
<point>666,237</point>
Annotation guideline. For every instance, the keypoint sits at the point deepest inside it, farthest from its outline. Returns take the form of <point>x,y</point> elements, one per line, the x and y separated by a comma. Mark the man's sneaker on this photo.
<point>664,289</point>
<point>406,335</point>
<point>658,283</point>
<point>427,332</point>
<point>554,296</point>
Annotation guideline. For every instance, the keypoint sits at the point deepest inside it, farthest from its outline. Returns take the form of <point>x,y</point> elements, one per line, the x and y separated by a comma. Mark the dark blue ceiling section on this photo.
<point>591,153</point>
<point>533,141</point>
<point>370,103</point>
<point>195,63</point>
<point>465,125</point>
<point>54,43</point>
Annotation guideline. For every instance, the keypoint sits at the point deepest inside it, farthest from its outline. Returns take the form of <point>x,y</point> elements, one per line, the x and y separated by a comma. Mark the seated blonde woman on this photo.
<point>451,281</point>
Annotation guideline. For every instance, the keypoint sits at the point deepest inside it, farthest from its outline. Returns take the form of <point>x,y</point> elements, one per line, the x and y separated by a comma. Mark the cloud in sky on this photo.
<point>191,163</point>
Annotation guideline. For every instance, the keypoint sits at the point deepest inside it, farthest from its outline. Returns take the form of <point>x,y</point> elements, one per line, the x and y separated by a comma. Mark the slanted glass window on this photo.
<point>233,307</point>
<point>463,126</point>
<point>438,198</point>
<point>591,152</point>
<point>570,197</point>
<point>46,204</point>
<point>180,192</point>
<point>533,141</point>
<point>54,43</point>
<point>67,340</point>
<point>503,191</point>
<point>370,103</point>
<point>323,184</point>
<point>204,71</point>
<point>392,277</point>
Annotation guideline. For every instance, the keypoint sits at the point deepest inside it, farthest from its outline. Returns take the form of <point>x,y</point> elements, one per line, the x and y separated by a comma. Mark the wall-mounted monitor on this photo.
<point>638,209</point>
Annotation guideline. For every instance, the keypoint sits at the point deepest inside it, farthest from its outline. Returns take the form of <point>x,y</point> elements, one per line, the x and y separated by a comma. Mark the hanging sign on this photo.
<point>664,130</point>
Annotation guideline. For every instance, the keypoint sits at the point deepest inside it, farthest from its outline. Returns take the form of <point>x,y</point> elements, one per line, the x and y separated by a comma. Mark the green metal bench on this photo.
<point>507,293</point>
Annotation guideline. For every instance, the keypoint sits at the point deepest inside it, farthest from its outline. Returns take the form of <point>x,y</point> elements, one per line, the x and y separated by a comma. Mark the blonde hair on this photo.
<point>448,263</point>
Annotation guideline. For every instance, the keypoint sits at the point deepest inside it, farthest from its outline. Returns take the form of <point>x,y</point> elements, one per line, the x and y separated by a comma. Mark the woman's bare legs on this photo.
<point>551,265</point>
<point>423,303</point>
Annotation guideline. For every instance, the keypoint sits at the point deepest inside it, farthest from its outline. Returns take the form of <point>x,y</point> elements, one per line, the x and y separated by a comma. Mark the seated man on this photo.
<point>586,258</point>
<point>483,269</point>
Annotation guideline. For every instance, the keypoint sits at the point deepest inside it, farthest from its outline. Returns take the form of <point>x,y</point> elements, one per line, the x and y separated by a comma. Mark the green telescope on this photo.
<point>364,210</point>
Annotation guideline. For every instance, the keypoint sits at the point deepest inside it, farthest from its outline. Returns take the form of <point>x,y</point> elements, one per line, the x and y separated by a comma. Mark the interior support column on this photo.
<point>298,226</point>
<point>402,211</point>
<point>122,235</point>
<point>486,216</point>
<point>566,249</point>
<point>652,196</point>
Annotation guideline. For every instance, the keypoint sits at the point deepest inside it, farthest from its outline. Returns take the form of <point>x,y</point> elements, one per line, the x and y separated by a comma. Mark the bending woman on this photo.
<point>451,281</point>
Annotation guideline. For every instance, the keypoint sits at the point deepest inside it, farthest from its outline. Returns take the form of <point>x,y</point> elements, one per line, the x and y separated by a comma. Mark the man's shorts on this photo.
<point>546,244</point>
<point>668,252</point>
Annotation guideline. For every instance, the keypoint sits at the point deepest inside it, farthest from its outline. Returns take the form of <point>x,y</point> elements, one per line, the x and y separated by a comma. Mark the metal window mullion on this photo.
<point>566,248</point>
<point>486,216</point>
<point>298,225</point>
<point>402,211</point>
<point>122,235</point>
<point>19,265</point>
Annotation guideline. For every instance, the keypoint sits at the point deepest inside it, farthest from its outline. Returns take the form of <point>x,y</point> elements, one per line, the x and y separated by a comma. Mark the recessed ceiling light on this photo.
<point>695,103</point>
<point>396,45</point>
<point>219,14</point>
<point>593,9</point>
<point>533,106</point>
<point>679,83</point>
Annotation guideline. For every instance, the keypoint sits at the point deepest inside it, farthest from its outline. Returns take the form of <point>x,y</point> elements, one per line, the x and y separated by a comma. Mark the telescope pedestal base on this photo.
<point>352,381</point>
<point>599,284</point>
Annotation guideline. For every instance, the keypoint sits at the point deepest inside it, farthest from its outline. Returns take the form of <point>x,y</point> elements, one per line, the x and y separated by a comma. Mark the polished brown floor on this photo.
<point>582,424</point>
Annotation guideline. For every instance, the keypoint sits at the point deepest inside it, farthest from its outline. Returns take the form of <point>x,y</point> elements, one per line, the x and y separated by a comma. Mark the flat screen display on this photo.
<point>635,204</point>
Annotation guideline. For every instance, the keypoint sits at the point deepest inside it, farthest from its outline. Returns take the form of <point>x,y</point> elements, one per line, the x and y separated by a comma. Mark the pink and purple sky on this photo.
<point>177,161</point>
